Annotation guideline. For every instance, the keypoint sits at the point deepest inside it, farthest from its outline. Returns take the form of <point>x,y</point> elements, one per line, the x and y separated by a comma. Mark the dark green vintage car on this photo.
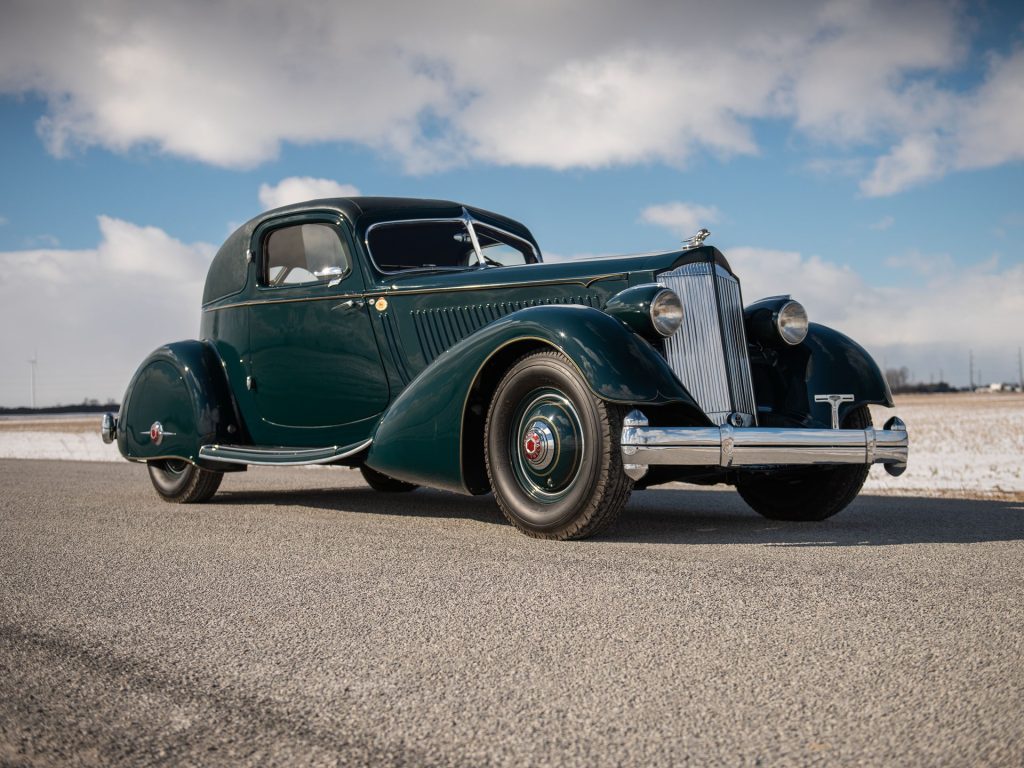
<point>426,343</point>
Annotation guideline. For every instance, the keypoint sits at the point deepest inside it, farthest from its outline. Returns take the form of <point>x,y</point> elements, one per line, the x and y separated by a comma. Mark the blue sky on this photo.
<point>865,158</point>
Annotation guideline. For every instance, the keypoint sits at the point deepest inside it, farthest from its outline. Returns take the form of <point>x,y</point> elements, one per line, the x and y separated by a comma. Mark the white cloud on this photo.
<point>883,223</point>
<point>298,189</point>
<point>924,264</point>
<point>94,314</point>
<point>928,324</point>
<point>990,131</point>
<point>916,159</point>
<point>566,85</point>
<point>683,219</point>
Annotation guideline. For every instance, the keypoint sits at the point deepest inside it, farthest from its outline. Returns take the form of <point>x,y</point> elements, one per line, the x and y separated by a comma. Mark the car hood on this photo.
<point>635,268</point>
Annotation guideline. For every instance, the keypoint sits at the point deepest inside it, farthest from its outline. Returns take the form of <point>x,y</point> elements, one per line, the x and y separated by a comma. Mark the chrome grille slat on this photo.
<point>709,351</point>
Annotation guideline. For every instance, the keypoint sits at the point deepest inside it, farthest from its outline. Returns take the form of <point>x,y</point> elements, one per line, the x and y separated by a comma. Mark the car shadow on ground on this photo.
<point>675,516</point>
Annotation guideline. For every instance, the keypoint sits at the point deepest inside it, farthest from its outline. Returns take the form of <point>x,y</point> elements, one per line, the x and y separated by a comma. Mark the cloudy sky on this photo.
<point>865,157</point>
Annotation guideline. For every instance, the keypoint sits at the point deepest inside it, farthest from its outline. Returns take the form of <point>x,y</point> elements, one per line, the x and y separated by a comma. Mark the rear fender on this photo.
<point>432,433</point>
<point>181,386</point>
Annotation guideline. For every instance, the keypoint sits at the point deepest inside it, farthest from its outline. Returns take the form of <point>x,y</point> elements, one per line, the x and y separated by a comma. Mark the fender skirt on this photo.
<point>825,363</point>
<point>426,436</point>
<point>183,387</point>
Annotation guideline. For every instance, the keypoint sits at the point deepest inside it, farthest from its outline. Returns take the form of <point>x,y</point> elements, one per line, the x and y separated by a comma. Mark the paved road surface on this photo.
<point>303,619</point>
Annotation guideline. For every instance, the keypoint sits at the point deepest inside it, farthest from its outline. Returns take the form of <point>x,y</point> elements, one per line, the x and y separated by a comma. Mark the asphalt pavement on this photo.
<point>300,618</point>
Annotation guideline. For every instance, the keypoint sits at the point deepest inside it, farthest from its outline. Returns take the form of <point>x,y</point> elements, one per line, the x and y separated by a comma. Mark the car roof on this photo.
<point>227,271</point>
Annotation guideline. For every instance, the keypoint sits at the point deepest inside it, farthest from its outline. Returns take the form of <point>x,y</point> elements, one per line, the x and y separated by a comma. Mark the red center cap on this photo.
<point>532,446</point>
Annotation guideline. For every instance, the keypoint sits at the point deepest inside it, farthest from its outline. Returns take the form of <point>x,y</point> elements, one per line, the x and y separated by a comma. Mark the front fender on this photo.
<point>181,385</point>
<point>826,362</point>
<point>422,437</point>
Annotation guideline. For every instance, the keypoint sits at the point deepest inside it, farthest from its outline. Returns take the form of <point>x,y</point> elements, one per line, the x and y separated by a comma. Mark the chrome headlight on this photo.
<point>791,322</point>
<point>666,312</point>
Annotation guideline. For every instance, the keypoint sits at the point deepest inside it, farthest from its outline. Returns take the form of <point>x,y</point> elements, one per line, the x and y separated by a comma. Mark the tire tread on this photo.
<point>612,486</point>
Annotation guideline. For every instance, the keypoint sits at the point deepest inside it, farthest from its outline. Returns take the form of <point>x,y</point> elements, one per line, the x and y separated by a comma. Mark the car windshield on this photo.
<point>443,245</point>
<point>421,244</point>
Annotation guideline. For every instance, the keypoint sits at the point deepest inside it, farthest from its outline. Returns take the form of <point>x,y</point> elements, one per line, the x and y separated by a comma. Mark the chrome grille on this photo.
<point>709,351</point>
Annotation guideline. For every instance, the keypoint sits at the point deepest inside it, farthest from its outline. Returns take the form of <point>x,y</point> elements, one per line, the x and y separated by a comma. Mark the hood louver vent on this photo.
<point>440,329</point>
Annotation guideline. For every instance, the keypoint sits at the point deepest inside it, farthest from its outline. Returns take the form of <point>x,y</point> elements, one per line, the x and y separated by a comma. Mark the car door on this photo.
<point>316,375</point>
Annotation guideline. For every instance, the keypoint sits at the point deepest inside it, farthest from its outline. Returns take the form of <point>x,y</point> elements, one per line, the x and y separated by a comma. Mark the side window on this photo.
<point>304,253</point>
<point>502,249</point>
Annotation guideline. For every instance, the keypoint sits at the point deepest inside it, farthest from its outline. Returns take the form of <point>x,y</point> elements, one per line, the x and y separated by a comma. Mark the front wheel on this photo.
<point>552,451</point>
<point>809,493</point>
<point>183,483</point>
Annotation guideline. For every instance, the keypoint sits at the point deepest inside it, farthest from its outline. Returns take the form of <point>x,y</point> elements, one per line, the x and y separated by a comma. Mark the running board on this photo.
<point>279,456</point>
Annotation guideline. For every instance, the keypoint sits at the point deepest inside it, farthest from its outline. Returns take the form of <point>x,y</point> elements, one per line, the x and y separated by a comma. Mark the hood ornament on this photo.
<point>695,241</point>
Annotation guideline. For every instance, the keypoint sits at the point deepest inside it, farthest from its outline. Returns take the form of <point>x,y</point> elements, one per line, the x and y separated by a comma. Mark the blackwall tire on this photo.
<point>179,482</point>
<point>552,451</point>
<point>810,493</point>
<point>383,483</point>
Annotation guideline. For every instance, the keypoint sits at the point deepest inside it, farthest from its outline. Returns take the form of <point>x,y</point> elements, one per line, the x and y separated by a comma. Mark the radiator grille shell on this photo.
<point>708,353</point>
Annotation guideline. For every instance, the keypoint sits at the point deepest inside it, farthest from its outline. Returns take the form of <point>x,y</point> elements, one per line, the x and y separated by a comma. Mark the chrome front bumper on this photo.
<point>762,447</point>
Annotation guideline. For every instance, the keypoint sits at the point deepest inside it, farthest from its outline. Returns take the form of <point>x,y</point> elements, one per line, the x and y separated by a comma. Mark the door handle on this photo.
<point>346,305</point>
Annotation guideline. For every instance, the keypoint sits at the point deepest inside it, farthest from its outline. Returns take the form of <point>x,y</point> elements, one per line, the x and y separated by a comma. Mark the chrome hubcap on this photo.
<point>546,445</point>
<point>539,445</point>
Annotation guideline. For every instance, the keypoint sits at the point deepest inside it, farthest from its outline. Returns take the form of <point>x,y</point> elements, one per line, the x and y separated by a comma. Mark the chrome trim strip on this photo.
<point>210,452</point>
<point>296,300</point>
<point>395,289</point>
<point>726,446</point>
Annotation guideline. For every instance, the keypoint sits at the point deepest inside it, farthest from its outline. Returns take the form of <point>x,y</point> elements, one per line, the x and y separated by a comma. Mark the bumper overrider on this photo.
<point>759,447</point>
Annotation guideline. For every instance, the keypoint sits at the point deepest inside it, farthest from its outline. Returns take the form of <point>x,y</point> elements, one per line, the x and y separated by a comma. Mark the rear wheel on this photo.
<point>552,451</point>
<point>810,493</point>
<point>183,483</point>
<point>383,483</point>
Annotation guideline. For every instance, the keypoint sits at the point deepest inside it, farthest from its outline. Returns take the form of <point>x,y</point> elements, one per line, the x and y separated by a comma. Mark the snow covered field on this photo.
<point>960,444</point>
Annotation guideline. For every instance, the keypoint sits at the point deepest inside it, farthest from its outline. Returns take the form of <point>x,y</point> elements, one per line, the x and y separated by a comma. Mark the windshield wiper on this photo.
<point>488,262</point>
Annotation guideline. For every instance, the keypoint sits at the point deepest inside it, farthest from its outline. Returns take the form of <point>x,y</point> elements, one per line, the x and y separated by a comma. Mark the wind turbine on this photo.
<point>33,362</point>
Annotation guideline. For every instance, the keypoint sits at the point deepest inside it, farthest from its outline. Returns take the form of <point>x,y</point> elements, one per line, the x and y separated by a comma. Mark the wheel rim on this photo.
<point>175,466</point>
<point>546,445</point>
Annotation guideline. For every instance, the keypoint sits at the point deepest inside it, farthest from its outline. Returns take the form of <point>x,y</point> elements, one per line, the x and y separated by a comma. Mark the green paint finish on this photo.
<point>421,437</point>
<point>182,386</point>
<point>786,379</point>
<point>412,359</point>
<point>632,307</point>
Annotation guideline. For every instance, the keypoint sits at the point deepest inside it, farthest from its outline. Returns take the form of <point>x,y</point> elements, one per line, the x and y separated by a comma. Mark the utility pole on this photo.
<point>33,362</point>
<point>972,370</point>
<point>1020,370</point>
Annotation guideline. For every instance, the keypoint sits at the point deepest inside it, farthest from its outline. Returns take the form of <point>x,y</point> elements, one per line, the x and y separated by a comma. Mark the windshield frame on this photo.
<point>467,220</point>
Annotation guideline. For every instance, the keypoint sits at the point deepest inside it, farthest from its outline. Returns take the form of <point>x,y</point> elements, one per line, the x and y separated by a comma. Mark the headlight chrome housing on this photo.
<point>666,312</point>
<point>791,322</point>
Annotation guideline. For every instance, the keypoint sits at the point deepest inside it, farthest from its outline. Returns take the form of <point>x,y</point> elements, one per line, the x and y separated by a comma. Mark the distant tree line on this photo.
<point>900,383</point>
<point>89,405</point>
